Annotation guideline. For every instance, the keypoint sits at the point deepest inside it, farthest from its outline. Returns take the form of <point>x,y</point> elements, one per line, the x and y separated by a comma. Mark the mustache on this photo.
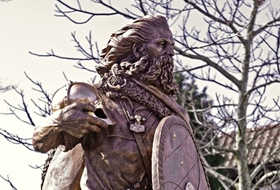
<point>165,59</point>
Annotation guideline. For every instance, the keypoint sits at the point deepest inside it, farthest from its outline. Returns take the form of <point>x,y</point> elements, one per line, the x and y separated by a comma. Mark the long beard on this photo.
<point>159,73</point>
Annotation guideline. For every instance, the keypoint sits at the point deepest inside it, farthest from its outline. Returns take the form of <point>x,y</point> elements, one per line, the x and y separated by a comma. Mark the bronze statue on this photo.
<point>120,133</point>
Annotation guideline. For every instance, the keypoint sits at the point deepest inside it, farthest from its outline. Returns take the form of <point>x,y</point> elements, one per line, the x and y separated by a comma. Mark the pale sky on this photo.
<point>30,25</point>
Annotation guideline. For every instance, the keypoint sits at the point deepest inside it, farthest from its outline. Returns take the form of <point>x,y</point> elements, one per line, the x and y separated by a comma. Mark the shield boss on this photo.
<point>175,160</point>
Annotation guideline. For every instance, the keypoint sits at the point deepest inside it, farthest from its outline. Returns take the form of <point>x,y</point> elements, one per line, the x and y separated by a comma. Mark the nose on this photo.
<point>170,51</point>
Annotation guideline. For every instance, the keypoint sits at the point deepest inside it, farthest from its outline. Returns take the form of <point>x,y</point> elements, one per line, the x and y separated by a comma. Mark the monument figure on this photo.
<point>126,132</point>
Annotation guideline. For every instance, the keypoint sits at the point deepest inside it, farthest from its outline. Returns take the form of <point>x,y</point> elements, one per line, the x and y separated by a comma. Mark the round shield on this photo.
<point>175,161</point>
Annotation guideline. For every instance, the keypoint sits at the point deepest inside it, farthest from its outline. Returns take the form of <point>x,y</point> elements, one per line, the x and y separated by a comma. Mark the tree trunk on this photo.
<point>244,182</point>
<point>241,146</point>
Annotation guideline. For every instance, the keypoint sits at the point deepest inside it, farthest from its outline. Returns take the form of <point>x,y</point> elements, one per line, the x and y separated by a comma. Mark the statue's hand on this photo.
<point>75,120</point>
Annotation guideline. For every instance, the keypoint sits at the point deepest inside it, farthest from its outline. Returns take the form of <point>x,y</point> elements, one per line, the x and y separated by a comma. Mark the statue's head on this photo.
<point>142,50</point>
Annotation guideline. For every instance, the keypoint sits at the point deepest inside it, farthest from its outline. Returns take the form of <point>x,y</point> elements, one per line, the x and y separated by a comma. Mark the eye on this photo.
<point>162,43</point>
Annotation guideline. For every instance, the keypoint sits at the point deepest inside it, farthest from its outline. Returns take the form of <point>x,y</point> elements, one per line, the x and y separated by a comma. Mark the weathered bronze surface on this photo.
<point>175,164</point>
<point>107,130</point>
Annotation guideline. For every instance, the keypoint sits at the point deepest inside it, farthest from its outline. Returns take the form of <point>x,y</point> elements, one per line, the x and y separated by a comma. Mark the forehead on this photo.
<point>163,33</point>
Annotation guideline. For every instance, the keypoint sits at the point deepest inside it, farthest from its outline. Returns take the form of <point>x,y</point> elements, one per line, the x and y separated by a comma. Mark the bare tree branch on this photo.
<point>8,181</point>
<point>15,139</point>
<point>210,63</point>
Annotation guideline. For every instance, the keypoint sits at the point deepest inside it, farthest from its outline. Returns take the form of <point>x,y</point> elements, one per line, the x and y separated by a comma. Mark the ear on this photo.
<point>139,50</point>
<point>136,50</point>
